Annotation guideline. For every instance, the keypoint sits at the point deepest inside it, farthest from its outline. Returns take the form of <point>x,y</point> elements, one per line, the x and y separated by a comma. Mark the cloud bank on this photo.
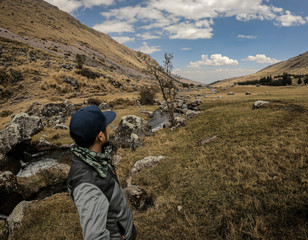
<point>261,58</point>
<point>182,19</point>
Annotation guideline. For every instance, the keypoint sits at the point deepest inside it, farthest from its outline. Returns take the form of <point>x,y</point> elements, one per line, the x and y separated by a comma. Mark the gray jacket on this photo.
<point>101,203</point>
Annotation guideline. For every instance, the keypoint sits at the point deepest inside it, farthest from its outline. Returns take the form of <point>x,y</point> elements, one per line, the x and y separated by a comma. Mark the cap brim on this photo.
<point>110,116</point>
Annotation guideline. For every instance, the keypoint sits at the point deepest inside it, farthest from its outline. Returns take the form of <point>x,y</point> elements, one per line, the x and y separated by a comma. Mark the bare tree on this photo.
<point>162,75</point>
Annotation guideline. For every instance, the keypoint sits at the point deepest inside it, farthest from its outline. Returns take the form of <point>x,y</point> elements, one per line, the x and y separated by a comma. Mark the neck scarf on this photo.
<point>97,160</point>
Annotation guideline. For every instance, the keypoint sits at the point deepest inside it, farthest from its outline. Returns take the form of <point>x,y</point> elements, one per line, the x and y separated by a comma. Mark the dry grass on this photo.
<point>53,218</point>
<point>248,183</point>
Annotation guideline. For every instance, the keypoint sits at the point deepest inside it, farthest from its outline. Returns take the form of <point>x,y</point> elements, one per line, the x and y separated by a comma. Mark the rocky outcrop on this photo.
<point>9,192</point>
<point>19,131</point>
<point>129,131</point>
<point>52,113</point>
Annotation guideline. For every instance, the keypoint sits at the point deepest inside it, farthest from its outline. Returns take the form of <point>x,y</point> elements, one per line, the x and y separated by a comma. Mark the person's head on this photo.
<point>90,125</point>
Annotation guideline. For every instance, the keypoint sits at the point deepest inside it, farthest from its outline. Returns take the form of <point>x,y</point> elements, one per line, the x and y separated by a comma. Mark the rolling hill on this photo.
<point>297,65</point>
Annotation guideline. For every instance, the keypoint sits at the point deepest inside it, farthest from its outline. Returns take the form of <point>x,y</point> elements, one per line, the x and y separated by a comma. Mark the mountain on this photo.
<point>39,47</point>
<point>297,65</point>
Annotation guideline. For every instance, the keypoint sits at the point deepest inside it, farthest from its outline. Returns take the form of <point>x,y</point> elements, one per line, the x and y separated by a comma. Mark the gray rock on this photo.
<point>43,145</point>
<point>10,192</point>
<point>34,109</point>
<point>147,162</point>
<point>159,120</point>
<point>30,125</point>
<point>64,109</point>
<point>129,131</point>
<point>259,104</point>
<point>104,106</point>
<point>191,114</point>
<point>137,196</point>
<point>230,93</point>
<point>14,221</point>
<point>179,122</point>
<point>194,104</point>
<point>61,126</point>
<point>20,130</point>
<point>248,93</point>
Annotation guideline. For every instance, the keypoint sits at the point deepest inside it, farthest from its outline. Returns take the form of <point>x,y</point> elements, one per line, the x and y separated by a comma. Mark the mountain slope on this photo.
<point>297,65</point>
<point>36,18</point>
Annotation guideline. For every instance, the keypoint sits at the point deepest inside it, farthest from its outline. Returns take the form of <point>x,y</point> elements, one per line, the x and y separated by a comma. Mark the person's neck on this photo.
<point>96,148</point>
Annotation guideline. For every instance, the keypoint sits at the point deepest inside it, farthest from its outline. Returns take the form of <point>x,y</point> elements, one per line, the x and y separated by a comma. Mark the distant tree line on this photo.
<point>280,80</point>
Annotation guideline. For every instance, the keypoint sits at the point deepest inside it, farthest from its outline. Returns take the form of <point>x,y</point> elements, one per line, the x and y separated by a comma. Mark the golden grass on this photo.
<point>248,183</point>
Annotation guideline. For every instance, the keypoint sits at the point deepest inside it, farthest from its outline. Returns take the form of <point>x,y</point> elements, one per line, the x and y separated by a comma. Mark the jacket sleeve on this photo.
<point>92,206</point>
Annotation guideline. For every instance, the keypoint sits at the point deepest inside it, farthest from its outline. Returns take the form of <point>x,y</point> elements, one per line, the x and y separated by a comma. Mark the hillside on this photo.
<point>39,46</point>
<point>297,65</point>
<point>62,34</point>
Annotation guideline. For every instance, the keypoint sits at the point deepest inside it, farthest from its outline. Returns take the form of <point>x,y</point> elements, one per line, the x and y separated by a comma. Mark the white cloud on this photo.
<point>193,19</point>
<point>261,58</point>
<point>91,3</point>
<point>147,49</point>
<point>189,31</point>
<point>66,5</point>
<point>246,36</point>
<point>114,27</point>
<point>73,5</point>
<point>186,49</point>
<point>288,20</point>
<point>147,36</point>
<point>214,60</point>
<point>123,39</point>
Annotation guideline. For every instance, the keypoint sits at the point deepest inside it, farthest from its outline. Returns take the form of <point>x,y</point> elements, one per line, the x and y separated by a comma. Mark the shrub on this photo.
<point>5,113</point>
<point>86,72</point>
<point>80,59</point>
<point>15,75</point>
<point>94,101</point>
<point>299,81</point>
<point>147,95</point>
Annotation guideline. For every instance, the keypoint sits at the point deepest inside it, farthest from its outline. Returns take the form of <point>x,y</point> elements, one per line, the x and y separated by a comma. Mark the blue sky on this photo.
<point>210,39</point>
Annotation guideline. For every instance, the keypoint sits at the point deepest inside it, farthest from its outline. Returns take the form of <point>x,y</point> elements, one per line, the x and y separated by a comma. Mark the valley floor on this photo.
<point>250,182</point>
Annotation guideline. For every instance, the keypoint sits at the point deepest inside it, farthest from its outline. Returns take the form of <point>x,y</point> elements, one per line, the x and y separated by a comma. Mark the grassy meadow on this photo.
<point>250,182</point>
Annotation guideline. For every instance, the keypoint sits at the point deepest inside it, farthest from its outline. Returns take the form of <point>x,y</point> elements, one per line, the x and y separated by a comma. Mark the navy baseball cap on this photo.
<point>87,123</point>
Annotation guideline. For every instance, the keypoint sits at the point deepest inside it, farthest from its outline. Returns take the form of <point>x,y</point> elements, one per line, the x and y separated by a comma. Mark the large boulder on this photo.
<point>9,192</point>
<point>129,131</point>
<point>43,179</point>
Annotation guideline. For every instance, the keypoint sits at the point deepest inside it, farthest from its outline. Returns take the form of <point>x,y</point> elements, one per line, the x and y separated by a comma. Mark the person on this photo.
<point>92,182</point>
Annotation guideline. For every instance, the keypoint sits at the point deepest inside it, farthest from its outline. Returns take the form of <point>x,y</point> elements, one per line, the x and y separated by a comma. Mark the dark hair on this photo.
<point>81,142</point>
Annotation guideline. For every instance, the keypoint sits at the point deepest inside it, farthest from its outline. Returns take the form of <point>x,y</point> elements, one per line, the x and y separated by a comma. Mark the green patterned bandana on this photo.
<point>97,160</point>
